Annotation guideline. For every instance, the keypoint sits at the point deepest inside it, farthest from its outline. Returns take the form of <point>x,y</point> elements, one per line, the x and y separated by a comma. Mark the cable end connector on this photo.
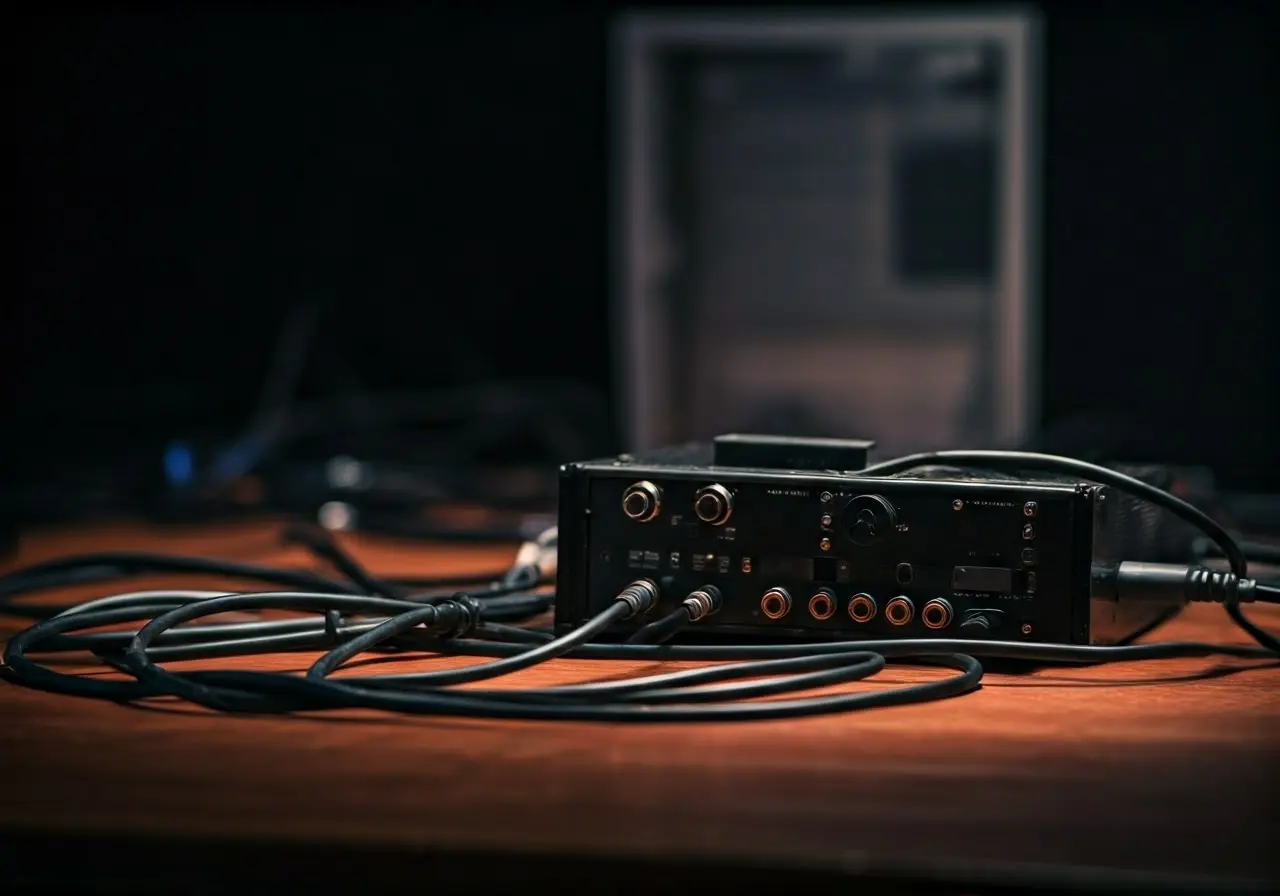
<point>640,596</point>
<point>1169,582</point>
<point>703,602</point>
<point>457,617</point>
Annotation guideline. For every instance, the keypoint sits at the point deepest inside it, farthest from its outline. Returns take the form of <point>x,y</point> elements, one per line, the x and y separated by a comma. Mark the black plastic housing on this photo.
<point>1012,560</point>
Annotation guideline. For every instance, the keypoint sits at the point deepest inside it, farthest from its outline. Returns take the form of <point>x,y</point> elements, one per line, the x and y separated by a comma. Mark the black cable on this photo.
<point>697,605</point>
<point>1256,551</point>
<point>124,564</point>
<point>271,692</point>
<point>467,624</point>
<point>83,569</point>
<point>323,545</point>
<point>664,629</point>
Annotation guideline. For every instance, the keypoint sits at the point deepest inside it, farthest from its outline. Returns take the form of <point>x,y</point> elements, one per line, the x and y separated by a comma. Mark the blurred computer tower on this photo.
<point>826,226</point>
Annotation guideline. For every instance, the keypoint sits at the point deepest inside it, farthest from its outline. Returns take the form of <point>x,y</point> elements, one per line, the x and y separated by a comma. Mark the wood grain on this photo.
<point>1165,766</point>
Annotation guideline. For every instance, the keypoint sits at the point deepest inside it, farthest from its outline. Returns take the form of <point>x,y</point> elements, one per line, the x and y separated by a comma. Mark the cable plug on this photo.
<point>456,617</point>
<point>703,602</point>
<point>640,596</point>
<point>540,553</point>
<point>1171,583</point>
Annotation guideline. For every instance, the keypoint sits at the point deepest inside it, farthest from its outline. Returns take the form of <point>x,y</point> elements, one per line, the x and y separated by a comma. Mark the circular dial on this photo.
<point>868,519</point>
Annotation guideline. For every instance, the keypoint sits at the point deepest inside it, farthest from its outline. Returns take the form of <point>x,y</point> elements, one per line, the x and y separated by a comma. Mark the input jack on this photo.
<point>862,608</point>
<point>642,501</point>
<point>936,614</point>
<point>822,605</point>
<point>776,603</point>
<point>713,504</point>
<point>899,610</point>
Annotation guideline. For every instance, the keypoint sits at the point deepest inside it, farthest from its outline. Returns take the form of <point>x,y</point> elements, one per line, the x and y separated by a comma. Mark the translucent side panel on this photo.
<point>825,246</point>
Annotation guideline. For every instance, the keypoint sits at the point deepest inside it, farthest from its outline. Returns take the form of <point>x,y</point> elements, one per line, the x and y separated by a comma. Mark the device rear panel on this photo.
<point>797,551</point>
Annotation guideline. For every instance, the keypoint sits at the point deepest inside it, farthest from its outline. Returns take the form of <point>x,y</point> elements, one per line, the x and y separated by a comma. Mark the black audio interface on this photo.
<point>798,547</point>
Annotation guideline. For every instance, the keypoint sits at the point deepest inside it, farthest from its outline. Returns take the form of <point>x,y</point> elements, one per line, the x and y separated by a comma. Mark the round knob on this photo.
<point>713,504</point>
<point>868,519</point>
<point>642,501</point>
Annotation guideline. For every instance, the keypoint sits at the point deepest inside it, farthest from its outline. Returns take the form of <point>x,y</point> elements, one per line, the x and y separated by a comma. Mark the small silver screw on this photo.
<point>1026,628</point>
<point>825,544</point>
<point>826,520</point>
<point>1028,532</point>
<point>957,504</point>
<point>1029,509</point>
<point>825,497</point>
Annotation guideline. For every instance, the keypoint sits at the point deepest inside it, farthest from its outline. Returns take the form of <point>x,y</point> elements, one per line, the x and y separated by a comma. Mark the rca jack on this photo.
<point>642,501</point>
<point>899,610</point>
<point>713,504</point>
<point>936,614</point>
<point>862,608</point>
<point>822,605</point>
<point>776,603</point>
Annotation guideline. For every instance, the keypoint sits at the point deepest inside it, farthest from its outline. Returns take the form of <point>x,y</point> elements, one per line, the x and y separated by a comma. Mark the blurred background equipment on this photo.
<point>354,264</point>
<point>828,226</point>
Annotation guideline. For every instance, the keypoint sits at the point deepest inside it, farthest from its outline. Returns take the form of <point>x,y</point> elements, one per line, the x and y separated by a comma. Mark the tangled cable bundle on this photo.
<point>361,612</point>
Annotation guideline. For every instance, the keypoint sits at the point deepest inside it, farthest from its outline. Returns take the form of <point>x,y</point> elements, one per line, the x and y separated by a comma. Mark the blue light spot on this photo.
<point>179,464</point>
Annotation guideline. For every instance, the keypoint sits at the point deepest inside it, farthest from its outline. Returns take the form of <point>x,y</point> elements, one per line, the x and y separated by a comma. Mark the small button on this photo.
<point>904,573</point>
<point>1029,556</point>
<point>1028,532</point>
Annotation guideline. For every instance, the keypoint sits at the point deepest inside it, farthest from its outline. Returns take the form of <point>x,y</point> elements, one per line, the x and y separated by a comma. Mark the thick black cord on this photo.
<point>1256,551</point>
<point>323,545</point>
<point>630,700</point>
<point>114,565</point>
<point>468,625</point>
<point>664,629</point>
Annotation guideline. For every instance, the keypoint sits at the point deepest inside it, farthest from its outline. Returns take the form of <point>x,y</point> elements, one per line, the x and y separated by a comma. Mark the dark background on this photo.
<point>438,182</point>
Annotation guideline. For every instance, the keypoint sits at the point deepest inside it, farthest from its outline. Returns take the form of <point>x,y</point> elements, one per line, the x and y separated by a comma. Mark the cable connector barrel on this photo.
<point>703,602</point>
<point>640,596</point>
<point>1171,582</point>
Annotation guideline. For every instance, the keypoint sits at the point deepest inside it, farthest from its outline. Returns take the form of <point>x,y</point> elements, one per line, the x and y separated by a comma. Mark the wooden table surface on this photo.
<point>1063,776</point>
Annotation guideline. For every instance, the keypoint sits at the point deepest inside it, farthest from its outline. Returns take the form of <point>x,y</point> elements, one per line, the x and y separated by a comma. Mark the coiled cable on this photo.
<point>751,681</point>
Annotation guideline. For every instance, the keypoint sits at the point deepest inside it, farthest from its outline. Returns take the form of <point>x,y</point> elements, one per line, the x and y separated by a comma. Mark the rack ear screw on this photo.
<point>957,504</point>
<point>1026,628</point>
